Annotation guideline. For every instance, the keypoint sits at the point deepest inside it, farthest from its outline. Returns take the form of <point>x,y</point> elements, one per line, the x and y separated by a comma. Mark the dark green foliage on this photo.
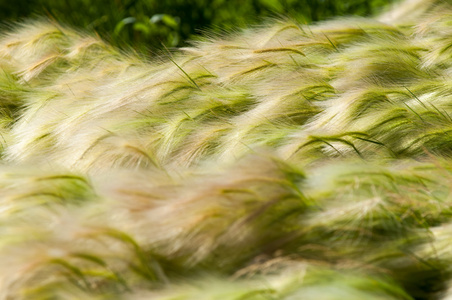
<point>150,24</point>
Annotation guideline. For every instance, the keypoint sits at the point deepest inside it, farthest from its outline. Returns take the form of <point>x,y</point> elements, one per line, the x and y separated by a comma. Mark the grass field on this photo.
<point>283,161</point>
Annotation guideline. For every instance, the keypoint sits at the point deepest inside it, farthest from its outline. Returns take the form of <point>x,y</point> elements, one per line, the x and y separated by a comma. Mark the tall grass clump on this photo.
<point>284,161</point>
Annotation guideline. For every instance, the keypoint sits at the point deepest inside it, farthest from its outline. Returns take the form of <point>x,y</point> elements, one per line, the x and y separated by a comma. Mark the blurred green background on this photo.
<point>147,25</point>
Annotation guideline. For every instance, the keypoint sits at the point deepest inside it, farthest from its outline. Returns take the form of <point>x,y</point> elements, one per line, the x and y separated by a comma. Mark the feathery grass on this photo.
<point>284,161</point>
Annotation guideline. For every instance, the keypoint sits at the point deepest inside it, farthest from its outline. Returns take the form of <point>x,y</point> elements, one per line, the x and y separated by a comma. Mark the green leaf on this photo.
<point>142,27</point>
<point>122,24</point>
<point>168,20</point>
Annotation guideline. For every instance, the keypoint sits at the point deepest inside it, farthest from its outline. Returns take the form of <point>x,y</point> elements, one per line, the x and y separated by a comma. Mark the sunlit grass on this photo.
<point>285,161</point>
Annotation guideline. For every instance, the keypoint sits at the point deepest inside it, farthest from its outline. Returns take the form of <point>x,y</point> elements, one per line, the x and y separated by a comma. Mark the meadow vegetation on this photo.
<point>147,25</point>
<point>282,161</point>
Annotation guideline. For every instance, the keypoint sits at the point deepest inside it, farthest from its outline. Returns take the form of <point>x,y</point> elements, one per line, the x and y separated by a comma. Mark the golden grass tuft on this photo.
<point>284,161</point>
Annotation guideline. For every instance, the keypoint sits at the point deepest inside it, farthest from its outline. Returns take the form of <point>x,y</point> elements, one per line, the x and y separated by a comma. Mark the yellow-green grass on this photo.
<point>284,161</point>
